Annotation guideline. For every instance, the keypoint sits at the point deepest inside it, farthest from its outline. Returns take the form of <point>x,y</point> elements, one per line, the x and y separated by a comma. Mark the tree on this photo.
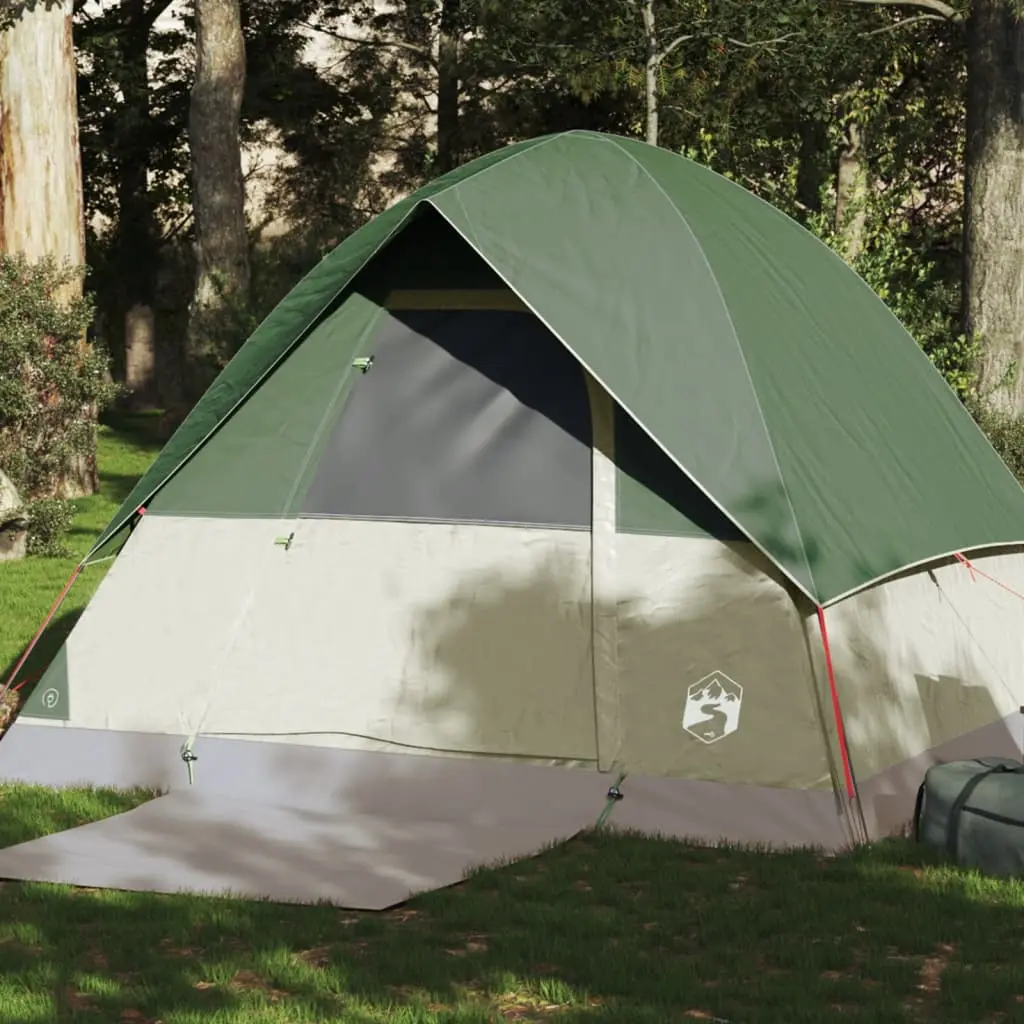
<point>994,201</point>
<point>222,240</point>
<point>993,298</point>
<point>121,133</point>
<point>41,208</point>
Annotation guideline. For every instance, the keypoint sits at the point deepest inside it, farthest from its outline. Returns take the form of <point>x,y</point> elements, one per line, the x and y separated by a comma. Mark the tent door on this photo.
<point>438,592</point>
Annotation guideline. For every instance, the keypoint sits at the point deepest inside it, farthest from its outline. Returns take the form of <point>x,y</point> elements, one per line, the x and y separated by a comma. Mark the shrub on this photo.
<point>1006,432</point>
<point>49,521</point>
<point>51,381</point>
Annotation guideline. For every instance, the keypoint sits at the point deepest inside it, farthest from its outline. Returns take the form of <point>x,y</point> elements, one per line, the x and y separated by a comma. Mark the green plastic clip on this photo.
<point>363,364</point>
<point>285,542</point>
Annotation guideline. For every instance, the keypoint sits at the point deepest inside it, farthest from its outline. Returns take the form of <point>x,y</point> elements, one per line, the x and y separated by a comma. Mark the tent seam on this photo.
<point>885,577</point>
<point>366,337</point>
<point>743,358</point>
<point>454,186</point>
<point>835,256</point>
<point>299,338</point>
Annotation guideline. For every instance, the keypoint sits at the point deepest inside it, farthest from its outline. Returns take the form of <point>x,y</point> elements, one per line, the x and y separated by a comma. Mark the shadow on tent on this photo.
<point>367,830</point>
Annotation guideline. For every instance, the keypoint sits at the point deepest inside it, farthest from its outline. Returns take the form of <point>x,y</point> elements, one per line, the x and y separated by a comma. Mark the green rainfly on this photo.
<point>796,409</point>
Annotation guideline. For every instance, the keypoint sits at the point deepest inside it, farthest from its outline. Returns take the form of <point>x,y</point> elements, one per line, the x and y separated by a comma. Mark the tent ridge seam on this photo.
<point>834,256</point>
<point>739,346</point>
<point>454,186</point>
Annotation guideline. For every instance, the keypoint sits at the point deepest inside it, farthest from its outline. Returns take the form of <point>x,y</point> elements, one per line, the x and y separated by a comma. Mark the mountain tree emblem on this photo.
<point>712,709</point>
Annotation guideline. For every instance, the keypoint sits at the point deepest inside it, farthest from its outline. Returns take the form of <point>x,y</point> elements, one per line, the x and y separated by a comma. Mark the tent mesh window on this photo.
<point>463,416</point>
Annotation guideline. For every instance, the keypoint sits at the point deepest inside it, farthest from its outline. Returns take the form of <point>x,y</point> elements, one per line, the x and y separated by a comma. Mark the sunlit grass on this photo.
<point>28,588</point>
<point>607,928</point>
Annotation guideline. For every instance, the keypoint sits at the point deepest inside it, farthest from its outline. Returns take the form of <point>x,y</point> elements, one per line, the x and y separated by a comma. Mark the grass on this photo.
<point>28,588</point>
<point>607,928</point>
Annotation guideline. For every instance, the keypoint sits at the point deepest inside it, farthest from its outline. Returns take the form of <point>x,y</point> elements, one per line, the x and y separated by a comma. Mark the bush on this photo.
<point>51,381</point>
<point>49,521</point>
<point>1006,433</point>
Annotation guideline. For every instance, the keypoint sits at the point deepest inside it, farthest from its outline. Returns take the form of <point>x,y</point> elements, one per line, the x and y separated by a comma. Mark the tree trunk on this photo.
<point>41,206</point>
<point>136,224</point>
<point>813,171</point>
<point>651,61</point>
<point>994,202</point>
<point>851,192</point>
<point>222,243</point>
<point>448,86</point>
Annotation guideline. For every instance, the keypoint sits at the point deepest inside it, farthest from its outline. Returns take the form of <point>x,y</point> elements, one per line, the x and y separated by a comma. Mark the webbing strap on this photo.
<point>959,805</point>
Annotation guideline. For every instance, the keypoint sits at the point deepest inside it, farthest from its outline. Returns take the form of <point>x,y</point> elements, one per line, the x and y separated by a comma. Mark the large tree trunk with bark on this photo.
<point>41,206</point>
<point>448,86</point>
<point>136,226</point>
<point>222,243</point>
<point>994,202</point>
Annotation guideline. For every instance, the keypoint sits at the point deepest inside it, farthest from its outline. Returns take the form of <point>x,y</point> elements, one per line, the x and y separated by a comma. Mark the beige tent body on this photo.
<point>450,607</point>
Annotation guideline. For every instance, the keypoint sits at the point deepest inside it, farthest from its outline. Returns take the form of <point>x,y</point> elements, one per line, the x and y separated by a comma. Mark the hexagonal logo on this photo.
<point>712,709</point>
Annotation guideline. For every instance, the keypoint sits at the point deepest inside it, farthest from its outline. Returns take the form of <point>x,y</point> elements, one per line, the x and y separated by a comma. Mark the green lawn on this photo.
<point>29,588</point>
<point>604,929</point>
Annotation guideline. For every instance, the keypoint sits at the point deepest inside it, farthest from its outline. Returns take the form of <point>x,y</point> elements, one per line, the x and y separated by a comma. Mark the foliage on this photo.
<point>276,266</point>
<point>914,284</point>
<point>50,380</point>
<point>1006,433</point>
<point>49,522</point>
<point>763,93</point>
<point>12,10</point>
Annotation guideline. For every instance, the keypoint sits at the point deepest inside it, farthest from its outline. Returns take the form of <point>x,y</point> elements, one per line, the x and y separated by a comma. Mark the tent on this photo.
<point>581,484</point>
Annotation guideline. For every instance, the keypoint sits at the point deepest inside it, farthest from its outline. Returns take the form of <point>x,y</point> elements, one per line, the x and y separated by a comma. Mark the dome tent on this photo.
<point>553,476</point>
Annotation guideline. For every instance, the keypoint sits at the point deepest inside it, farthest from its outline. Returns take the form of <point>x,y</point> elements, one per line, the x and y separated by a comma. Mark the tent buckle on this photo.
<point>614,793</point>
<point>363,364</point>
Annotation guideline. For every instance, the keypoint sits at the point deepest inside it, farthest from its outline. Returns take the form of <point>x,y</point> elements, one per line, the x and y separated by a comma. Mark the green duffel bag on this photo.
<point>974,810</point>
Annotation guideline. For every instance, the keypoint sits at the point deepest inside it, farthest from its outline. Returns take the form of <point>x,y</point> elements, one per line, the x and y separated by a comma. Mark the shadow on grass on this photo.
<point>608,927</point>
<point>145,429</point>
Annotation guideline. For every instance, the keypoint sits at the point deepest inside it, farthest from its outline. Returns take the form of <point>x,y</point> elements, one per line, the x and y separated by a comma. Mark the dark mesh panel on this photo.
<point>464,416</point>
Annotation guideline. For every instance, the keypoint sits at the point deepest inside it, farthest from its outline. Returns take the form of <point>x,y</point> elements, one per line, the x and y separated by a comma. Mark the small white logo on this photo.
<point>50,698</point>
<point>712,708</point>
